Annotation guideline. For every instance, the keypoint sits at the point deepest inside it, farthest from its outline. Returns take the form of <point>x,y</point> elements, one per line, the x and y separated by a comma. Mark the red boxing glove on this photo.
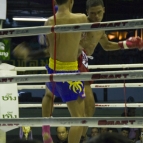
<point>131,43</point>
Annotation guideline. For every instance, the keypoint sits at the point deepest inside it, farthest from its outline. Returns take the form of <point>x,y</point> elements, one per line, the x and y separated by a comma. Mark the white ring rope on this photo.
<point>111,25</point>
<point>84,76</point>
<point>89,67</point>
<point>109,122</point>
<point>98,105</point>
<point>113,85</point>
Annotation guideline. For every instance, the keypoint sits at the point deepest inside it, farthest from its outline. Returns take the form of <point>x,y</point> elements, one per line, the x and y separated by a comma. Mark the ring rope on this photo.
<point>85,76</point>
<point>113,85</point>
<point>55,51</point>
<point>109,122</point>
<point>97,105</point>
<point>89,67</point>
<point>66,28</point>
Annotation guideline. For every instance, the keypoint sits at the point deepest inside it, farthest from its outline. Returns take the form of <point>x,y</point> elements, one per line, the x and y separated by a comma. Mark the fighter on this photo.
<point>95,11</point>
<point>71,92</point>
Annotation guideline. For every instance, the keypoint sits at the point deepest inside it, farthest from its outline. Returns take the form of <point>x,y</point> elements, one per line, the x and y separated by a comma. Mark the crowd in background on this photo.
<point>131,134</point>
<point>97,135</point>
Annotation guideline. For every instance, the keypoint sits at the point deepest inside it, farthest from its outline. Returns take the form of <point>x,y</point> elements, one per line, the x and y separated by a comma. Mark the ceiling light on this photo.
<point>29,19</point>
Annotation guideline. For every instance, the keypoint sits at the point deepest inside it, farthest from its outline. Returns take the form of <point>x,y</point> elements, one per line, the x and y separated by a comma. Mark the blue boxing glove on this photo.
<point>56,8</point>
<point>42,40</point>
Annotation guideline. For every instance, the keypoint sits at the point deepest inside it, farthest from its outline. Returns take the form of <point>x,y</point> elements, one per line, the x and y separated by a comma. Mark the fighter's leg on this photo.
<point>47,103</point>
<point>47,107</point>
<point>89,104</point>
<point>76,109</point>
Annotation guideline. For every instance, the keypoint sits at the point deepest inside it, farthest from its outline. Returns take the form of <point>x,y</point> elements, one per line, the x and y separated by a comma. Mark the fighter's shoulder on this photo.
<point>48,21</point>
<point>82,17</point>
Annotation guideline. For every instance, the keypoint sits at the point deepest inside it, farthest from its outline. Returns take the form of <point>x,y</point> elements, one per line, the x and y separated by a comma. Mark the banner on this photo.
<point>5,45</point>
<point>3,9</point>
<point>8,100</point>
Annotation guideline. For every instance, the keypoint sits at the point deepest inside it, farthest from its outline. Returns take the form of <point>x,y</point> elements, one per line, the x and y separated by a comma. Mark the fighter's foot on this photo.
<point>47,138</point>
<point>46,134</point>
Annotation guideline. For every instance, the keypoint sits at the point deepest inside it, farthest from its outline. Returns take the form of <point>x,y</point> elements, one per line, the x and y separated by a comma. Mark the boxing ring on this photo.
<point>105,77</point>
<point>103,105</point>
<point>112,122</point>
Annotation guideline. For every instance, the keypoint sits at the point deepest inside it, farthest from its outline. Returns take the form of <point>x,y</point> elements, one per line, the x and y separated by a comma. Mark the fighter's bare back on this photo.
<point>67,44</point>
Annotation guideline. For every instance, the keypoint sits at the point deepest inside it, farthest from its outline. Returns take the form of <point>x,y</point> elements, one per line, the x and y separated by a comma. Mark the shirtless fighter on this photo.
<point>95,12</point>
<point>22,51</point>
<point>71,92</point>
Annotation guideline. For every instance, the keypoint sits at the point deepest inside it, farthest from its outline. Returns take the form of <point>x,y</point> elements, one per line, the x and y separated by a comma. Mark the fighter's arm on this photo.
<point>131,43</point>
<point>42,53</point>
<point>25,52</point>
<point>89,43</point>
<point>108,45</point>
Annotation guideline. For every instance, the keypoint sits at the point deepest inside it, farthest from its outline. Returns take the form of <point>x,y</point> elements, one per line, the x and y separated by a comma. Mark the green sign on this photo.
<point>5,49</point>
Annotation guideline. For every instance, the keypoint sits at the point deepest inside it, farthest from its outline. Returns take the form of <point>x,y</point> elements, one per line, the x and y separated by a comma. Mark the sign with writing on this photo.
<point>5,49</point>
<point>8,99</point>
<point>3,9</point>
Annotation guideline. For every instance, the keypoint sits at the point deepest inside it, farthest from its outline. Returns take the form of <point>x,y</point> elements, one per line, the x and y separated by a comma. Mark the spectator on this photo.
<point>94,132</point>
<point>62,135</point>
<point>25,133</point>
<point>109,138</point>
<point>24,141</point>
<point>134,132</point>
<point>112,130</point>
<point>125,132</point>
<point>130,112</point>
<point>103,130</point>
<point>140,137</point>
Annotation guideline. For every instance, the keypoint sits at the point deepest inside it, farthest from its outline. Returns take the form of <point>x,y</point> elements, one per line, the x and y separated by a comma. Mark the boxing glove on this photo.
<point>131,43</point>
<point>42,40</point>
<point>22,51</point>
<point>56,8</point>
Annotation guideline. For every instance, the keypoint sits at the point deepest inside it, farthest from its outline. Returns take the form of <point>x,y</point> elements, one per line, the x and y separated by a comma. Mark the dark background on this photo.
<point>114,10</point>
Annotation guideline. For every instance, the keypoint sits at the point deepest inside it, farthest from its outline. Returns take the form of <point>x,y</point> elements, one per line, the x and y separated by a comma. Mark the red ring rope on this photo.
<point>53,5</point>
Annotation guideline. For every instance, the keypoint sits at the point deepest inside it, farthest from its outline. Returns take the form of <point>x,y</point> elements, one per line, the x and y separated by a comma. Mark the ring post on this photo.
<point>8,100</point>
<point>2,16</point>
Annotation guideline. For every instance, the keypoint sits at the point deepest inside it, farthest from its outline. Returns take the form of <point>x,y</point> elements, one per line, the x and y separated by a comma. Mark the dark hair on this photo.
<point>62,126</point>
<point>95,128</point>
<point>114,130</point>
<point>126,129</point>
<point>130,109</point>
<point>60,2</point>
<point>92,3</point>
<point>109,138</point>
<point>24,141</point>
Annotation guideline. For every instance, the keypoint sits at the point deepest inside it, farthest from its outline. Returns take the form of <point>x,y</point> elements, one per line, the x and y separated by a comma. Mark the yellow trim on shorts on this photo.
<point>63,66</point>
